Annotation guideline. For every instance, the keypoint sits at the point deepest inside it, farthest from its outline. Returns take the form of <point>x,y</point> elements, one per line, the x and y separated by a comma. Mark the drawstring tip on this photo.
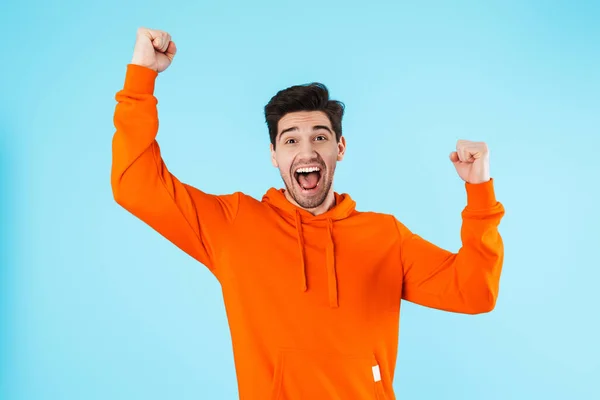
<point>334,300</point>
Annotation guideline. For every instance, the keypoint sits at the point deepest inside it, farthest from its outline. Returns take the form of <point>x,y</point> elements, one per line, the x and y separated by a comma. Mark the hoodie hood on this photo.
<point>343,208</point>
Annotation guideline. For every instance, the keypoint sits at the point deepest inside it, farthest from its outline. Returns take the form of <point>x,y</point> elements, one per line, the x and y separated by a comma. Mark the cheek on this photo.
<point>331,159</point>
<point>284,165</point>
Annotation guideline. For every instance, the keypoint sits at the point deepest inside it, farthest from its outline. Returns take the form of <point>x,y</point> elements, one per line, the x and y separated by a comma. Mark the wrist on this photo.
<point>480,195</point>
<point>140,79</point>
<point>141,63</point>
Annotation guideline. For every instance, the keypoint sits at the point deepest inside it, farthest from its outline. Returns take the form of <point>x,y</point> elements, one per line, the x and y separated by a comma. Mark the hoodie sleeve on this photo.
<point>194,221</point>
<point>463,282</point>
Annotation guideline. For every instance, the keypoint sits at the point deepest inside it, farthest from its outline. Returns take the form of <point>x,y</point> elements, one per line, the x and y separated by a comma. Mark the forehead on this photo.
<point>303,120</point>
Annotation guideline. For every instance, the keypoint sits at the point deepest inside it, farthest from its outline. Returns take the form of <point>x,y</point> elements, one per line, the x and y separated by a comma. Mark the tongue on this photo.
<point>309,181</point>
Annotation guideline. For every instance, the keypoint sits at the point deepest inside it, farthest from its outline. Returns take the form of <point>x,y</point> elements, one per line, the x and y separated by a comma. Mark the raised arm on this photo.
<point>467,281</point>
<point>194,221</point>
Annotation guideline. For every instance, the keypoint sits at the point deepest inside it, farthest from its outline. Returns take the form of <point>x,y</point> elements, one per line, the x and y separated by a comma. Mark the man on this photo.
<point>312,287</point>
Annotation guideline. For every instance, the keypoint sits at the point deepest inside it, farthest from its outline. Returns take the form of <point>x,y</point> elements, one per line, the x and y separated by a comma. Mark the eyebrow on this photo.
<point>295,128</point>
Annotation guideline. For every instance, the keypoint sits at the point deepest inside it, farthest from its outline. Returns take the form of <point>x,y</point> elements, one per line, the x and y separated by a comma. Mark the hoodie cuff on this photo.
<point>480,195</point>
<point>139,79</point>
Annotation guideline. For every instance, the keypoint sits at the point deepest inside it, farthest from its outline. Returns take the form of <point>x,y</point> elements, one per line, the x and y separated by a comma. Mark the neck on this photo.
<point>325,206</point>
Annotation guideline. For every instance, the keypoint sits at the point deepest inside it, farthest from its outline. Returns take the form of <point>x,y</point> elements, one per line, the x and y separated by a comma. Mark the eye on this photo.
<point>321,137</point>
<point>289,141</point>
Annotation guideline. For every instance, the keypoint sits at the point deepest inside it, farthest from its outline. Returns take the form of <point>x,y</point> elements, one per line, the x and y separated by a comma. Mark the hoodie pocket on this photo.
<point>309,374</point>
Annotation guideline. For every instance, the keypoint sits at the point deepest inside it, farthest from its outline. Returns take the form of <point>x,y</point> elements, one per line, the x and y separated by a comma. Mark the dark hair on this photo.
<point>307,97</point>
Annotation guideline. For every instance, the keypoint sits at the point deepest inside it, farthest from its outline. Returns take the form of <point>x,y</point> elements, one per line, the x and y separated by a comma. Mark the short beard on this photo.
<point>311,202</point>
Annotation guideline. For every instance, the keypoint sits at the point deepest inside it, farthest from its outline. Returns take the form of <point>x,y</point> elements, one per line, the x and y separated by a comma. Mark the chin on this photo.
<point>310,198</point>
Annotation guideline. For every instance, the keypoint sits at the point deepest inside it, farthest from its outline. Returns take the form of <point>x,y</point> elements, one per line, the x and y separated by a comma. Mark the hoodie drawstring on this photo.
<point>330,260</point>
<point>331,272</point>
<point>301,246</point>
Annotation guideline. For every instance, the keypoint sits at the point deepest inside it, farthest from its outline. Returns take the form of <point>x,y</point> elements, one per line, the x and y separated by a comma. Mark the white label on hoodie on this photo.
<point>376,373</point>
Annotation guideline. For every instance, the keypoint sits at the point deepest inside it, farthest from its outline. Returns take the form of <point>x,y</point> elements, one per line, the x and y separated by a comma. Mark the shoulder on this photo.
<point>384,220</point>
<point>381,221</point>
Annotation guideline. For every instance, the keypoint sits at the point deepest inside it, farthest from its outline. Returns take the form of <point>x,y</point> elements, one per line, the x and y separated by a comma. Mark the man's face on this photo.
<point>306,154</point>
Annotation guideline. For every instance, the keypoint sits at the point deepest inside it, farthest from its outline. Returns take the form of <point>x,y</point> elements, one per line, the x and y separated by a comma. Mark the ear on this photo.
<point>341,148</point>
<point>273,159</point>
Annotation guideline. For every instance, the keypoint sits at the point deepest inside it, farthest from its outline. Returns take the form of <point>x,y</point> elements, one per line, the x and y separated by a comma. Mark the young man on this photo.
<point>312,287</point>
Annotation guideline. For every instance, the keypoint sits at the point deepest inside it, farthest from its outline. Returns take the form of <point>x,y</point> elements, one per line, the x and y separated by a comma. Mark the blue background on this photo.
<point>96,305</point>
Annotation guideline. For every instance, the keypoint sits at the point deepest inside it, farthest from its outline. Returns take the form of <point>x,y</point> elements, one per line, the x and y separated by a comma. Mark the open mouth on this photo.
<point>308,178</point>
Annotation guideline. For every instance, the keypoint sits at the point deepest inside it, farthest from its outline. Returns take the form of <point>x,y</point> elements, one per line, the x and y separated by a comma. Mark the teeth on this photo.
<point>307,170</point>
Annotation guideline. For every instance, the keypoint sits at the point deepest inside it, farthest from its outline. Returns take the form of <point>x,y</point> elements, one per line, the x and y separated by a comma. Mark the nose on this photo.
<point>306,150</point>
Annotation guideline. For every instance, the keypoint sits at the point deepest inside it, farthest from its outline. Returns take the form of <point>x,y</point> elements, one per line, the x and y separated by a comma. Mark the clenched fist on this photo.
<point>472,161</point>
<point>153,49</point>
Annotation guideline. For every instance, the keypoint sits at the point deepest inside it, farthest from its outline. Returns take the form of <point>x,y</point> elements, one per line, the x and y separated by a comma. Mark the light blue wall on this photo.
<point>95,305</point>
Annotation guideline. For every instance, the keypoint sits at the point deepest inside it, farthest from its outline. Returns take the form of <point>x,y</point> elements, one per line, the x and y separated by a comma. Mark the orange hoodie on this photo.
<point>312,302</point>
